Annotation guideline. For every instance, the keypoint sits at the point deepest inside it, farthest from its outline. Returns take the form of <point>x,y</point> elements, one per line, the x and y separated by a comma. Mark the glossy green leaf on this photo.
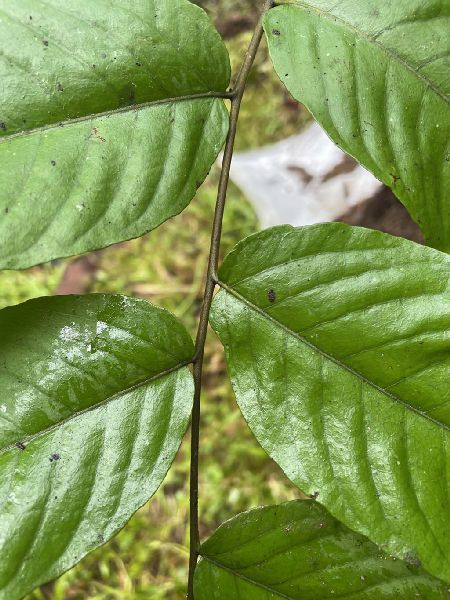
<point>375,74</point>
<point>108,120</point>
<point>337,340</point>
<point>95,397</point>
<point>297,551</point>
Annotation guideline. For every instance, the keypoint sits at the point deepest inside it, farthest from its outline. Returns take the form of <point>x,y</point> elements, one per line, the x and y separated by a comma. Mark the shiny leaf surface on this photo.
<point>337,340</point>
<point>95,399</point>
<point>297,551</point>
<point>375,75</point>
<point>108,120</point>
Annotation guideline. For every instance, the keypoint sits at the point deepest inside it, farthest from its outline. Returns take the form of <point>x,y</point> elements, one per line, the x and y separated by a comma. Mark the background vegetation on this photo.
<point>148,559</point>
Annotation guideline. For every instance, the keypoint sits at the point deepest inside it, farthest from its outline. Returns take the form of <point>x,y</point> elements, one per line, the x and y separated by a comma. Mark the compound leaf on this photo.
<point>95,399</point>
<point>338,346</point>
<point>108,120</point>
<point>298,551</point>
<point>375,75</point>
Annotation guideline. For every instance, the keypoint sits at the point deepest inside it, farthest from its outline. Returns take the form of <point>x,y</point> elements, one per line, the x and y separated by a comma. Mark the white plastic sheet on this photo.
<point>301,180</point>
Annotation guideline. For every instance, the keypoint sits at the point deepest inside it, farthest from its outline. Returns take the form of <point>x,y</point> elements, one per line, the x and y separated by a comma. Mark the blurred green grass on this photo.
<point>149,557</point>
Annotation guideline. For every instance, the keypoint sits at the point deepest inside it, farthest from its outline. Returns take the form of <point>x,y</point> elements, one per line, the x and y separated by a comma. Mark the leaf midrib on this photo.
<point>113,112</point>
<point>247,579</point>
<point>30,438</point>
<point>329,16</point>
<point>350,562</point>
<point>330,357</point>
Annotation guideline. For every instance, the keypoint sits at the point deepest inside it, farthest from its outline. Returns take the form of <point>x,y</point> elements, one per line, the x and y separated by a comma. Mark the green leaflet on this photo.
<point>297,551</point>
<point>375,75</point>
<point>337,340</point>
<point>98,142</point>
<point>95,399</point>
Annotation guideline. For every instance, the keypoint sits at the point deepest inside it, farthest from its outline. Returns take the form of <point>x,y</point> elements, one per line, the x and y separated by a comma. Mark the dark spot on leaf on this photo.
<point>138,64</point>
<point>100,538</point>
<point>54,456</point>
<point>96,134</point>
<point>103,54</point>
<point>31,18</point>
<point>20,445</point>
<point>45,42</point>
<point>6,210</point>
<point>271,295</point>
<point>314,496</point>
<point>59,87</point>
<point>53,162</point>
<point>276,32</point>
<point>3,125</point>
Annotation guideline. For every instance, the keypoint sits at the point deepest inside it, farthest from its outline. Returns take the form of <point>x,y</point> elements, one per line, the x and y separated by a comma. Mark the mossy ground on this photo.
<point>148,559</point>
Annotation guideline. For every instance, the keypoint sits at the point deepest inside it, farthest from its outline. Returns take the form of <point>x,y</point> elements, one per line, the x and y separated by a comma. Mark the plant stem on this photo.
<point>211,280</point>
